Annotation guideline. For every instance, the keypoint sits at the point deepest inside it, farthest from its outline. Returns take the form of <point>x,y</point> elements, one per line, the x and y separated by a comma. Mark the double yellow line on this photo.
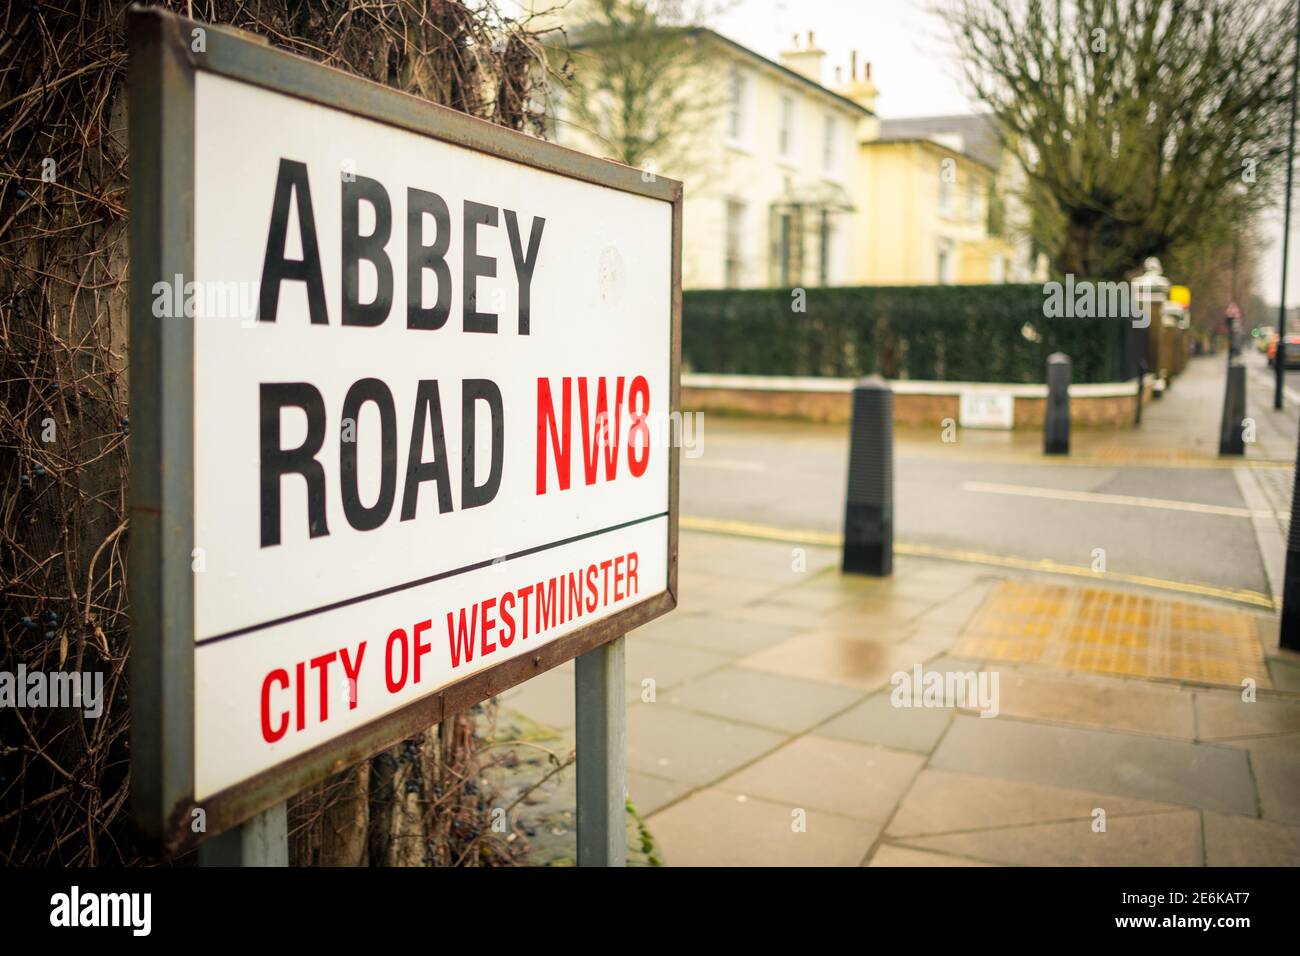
<point>746,529</point>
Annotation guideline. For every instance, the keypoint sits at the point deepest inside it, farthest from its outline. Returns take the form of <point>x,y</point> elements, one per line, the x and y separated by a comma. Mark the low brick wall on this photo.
<point>915,403</point>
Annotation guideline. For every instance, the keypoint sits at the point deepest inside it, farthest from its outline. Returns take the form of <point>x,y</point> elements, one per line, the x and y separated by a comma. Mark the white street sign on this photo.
<point>987,409</point>
<point>428,420</point>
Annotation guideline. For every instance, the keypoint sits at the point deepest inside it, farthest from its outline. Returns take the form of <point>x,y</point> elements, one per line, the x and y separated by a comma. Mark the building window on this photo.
<point>736,105</point>
<point>945,187</point>
<point>944,264</point>
<point>828,144</point>
<point>734,265</point>
<point>999,273</point>
<point>785,136</point>
<point>972,200</point>
<point>827,235</point>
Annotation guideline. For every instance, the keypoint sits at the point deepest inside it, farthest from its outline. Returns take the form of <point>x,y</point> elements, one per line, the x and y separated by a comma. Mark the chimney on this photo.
<point>860,88</point>
<point>805,60</point>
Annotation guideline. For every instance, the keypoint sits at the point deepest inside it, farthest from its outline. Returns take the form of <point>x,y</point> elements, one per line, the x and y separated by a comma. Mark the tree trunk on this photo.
<point>345,824</point>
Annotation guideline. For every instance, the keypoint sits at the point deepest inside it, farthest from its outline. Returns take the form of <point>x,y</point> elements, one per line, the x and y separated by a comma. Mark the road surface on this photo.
<point>1183,524</point>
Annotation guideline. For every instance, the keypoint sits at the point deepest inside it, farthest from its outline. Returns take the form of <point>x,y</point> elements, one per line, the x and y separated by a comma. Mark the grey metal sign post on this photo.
<point>261,841</point>
<point>601,710</point>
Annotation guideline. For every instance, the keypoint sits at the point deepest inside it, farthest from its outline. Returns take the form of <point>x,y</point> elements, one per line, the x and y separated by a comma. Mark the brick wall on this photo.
<point>1085,412</point>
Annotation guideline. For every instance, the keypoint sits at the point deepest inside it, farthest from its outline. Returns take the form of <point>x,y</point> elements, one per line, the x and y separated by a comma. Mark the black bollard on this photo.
<point>869,509</point>
<point>1056,416</point>
<point>1142,374</point>
<point>1231,439</point>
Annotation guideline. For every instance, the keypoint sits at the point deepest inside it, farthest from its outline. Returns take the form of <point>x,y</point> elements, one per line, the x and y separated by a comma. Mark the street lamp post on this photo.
<point>1279,363</point>
<point>1290,625</point>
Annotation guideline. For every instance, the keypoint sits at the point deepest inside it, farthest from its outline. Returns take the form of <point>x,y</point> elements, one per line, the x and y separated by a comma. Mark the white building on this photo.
<point>766,176</point>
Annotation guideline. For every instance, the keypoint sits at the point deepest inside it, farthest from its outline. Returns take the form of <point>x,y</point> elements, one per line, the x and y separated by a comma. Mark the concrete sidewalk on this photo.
<point>761,729</point>
<point>766,724</point>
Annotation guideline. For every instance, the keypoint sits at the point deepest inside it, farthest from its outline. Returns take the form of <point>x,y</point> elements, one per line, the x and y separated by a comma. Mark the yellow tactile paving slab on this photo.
<point>1114,632</point>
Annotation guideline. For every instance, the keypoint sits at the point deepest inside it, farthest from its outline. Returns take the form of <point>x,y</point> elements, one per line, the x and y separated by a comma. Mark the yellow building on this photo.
<point>923,216</point>
<point>767,176</point>
<point>932,197</point>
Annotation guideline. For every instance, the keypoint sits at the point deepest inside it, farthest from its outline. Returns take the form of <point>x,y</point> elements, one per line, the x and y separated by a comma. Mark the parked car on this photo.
<point>1292,351</point>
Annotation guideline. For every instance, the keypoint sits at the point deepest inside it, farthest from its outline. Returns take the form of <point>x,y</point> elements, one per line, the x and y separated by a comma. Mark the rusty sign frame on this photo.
<point>161,90</point>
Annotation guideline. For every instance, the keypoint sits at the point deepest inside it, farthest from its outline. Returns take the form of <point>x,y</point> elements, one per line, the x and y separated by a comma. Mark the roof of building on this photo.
<point>977,132</point>
<point>930,143</point>
<point>577,42</point>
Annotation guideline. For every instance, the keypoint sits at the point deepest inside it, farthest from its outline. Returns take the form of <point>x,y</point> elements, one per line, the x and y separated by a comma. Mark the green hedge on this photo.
<point>932,333</point>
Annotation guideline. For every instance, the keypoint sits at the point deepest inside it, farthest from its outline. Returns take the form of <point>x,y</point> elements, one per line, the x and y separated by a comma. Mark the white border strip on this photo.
<point>784,383</point>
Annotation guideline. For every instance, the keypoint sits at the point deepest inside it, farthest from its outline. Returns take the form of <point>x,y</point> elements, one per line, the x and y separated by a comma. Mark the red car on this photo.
<point>1292,351</point>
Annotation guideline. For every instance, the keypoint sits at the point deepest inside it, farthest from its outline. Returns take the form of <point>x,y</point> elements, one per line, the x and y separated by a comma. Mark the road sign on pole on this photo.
<point>402,392</point>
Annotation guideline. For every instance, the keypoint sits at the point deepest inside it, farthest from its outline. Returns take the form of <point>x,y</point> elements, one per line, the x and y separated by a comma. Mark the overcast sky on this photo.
<point>910,57</point>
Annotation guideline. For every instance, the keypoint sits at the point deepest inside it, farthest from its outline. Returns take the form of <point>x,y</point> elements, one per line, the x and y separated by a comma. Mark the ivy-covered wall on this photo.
<point>986,333</point>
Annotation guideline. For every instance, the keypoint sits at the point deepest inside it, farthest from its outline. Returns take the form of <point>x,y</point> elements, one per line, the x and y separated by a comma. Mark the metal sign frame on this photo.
<point>161,584</point>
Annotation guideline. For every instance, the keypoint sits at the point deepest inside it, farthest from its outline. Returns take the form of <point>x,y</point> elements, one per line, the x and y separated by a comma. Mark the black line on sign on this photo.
<point>440,576</point>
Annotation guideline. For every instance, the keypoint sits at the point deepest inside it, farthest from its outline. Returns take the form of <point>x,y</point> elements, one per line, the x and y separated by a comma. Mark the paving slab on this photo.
<point>799,618</point>
<point>834,658</point>
<point>1222,716</point>
<point>727,594</point>
<point>668,665</point>
<point>1086,701</point>
<point>754,559</point>
<point>877,721</point>
<point>766,700</point>
<point>649,793</point>
<point>716,828</point>
<point>720,633</point>
<point>946,616</point>
<point>848,779</point>
<point>1153,839</point>
<point>870,613</point>
<point>888,854</point>
<point>1171,771</point>
<point>1241,841</point>
<point>820,600</point>
<point>1275,762</point>
<point>668,742</point>
<point>929,588</point>
<point>934,637</point>
<point>940,801</point>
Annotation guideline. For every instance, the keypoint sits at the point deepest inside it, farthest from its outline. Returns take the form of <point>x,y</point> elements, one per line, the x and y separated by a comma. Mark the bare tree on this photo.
<point>64,417</point>
<point>1137,121</point>
<point>638,84</point>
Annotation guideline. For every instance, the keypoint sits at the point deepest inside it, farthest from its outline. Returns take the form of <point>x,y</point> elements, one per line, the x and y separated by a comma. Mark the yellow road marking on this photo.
<point>746,529</point>
<point>729,464</point>
<point>1093,497</point>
